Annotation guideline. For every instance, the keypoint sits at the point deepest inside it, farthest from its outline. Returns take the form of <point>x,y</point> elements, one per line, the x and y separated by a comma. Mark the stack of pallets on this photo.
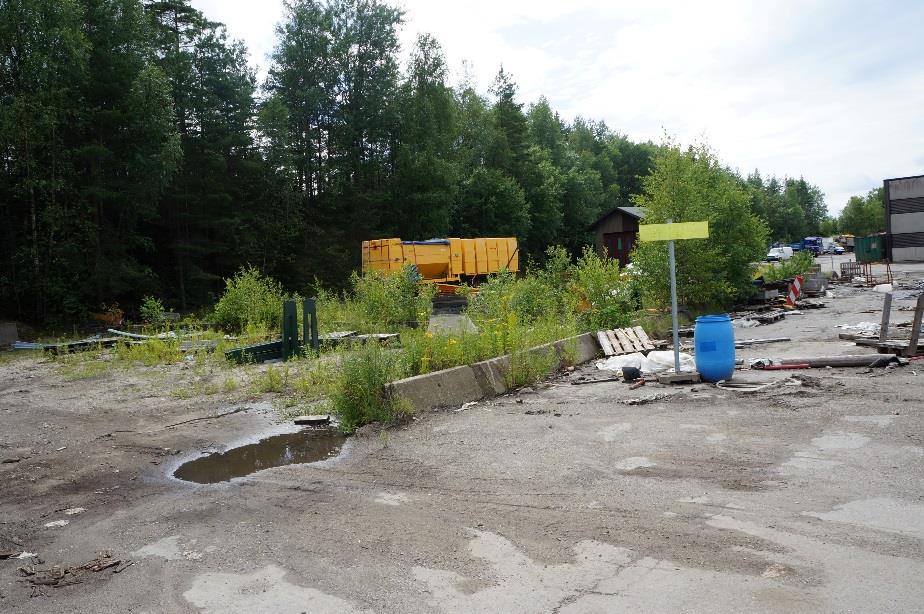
<point>624,341</point>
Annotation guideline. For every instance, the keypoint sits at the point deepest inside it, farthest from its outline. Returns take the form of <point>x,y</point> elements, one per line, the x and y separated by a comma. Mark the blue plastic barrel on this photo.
<point>714,343</point>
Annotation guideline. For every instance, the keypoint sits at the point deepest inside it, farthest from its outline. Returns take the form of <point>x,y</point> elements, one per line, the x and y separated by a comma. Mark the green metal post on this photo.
<point>289,329</point>
<point>310,324</point>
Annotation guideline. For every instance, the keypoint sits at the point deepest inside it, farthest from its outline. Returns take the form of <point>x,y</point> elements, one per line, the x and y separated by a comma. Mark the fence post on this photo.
<point>310,324</point>
<point>289,329</point>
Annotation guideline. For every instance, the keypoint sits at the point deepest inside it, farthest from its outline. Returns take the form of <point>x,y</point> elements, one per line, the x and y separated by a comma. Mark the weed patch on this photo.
<point>361,395</point>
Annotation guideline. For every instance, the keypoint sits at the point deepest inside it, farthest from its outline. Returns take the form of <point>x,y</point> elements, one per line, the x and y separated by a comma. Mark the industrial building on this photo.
<point>904,218</point>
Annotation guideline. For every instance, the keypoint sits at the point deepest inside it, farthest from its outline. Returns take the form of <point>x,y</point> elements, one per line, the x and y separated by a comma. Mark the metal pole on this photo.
<point>673,266</point>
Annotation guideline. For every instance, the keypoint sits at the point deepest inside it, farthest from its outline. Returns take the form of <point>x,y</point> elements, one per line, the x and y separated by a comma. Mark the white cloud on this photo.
<point>826,89</point>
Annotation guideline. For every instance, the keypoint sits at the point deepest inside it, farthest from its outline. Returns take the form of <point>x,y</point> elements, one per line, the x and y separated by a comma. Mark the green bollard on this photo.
<point>289,329</point>
<point>310,325</point>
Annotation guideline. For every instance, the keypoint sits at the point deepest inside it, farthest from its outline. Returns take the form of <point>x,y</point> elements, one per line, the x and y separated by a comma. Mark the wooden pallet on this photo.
<point>624,341</point>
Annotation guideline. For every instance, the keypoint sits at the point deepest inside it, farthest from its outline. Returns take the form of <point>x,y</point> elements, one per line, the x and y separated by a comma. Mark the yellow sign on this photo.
<point>673,232</point>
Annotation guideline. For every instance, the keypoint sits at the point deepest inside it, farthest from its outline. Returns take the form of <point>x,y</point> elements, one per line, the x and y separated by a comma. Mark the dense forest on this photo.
<point>141,156</point>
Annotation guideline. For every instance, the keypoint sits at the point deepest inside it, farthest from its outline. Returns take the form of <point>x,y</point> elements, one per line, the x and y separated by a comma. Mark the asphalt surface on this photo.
<point>805,497</point>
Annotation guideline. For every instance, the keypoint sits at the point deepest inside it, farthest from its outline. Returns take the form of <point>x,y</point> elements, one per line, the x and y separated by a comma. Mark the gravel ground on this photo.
<point>562,498</point>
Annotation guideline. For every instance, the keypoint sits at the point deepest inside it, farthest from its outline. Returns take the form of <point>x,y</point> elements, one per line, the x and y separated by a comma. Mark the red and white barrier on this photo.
<point>795,289</point>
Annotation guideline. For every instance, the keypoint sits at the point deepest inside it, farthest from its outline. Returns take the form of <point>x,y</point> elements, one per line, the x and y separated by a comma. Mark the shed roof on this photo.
<point>636,212</point>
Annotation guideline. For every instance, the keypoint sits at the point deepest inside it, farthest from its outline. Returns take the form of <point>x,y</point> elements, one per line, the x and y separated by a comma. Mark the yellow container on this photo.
<point>443,260</point>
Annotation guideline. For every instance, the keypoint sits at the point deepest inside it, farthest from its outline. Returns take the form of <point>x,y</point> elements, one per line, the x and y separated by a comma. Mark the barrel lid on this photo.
<point>719,317</point>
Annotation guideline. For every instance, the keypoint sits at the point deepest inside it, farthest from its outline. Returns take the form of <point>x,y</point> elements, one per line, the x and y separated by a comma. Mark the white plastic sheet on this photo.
<point>656,362</point>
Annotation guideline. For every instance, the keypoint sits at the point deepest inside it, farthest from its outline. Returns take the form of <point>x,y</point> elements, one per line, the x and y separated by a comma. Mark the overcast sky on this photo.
<point>829,89</point>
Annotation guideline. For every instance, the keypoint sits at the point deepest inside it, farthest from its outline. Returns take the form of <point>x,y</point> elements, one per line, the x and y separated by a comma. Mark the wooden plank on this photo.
<point>604,343</point>
<point>643,337</point>
<point>617,346</point>
<point>886,314</point>
<point>633,339</point>
<point>916,328</point>
<point>624,340</point>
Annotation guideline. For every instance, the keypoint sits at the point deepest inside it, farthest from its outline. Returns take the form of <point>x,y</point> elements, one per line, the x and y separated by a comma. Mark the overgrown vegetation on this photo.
<point>251,301</point>
<point>361,394</point>
<point>392,301</point>
<point>799,264</point>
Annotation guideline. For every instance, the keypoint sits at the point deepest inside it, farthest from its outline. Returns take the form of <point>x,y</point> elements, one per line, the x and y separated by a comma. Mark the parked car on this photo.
<point>779,254</point>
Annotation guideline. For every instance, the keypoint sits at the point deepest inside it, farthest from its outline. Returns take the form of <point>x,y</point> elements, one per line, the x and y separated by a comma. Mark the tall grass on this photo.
<point>361,394</point>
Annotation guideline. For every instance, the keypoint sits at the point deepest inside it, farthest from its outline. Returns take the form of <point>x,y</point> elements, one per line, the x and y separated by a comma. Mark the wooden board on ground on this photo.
<point>625,341</point>
<point>605,344</point>
<point>643,337</point>
<point>617,346</point>
<point>634,340</point>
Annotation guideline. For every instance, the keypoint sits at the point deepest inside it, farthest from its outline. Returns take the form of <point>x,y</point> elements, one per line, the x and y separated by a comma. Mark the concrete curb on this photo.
<point>486,379</point>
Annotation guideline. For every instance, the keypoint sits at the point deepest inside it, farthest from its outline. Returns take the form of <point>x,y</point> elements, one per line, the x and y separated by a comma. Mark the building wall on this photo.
<point>616,222</point>
<point>905,218</point>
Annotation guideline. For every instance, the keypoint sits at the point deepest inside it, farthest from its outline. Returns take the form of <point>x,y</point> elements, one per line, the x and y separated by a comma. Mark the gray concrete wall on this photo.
<point>486,379</point>
<point>908,222</point>
<point>908,254</point>
<point>912,187</point>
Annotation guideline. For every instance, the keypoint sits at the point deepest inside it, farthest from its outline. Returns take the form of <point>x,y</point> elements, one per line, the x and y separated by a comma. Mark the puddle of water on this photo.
<point>305,446</point>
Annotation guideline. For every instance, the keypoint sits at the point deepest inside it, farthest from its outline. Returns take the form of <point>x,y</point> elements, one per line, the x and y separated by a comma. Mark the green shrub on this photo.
<point>361,395</point>
<point>251,302</point>
<point>689,186</point>
<point>609,292</point>
<point>799,264</point>
<point>388,301</point>
<point>152,311</point>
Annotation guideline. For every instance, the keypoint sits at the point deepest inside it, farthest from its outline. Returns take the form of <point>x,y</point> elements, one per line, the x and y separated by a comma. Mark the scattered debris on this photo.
<point>57,576</point>
<point>645,400</point>
<point>655,362</point>
<point>871,328</point>
<point>467,405</point>
<point>849,360</point>
<point>743,386</point>
<point>120,333</point>
<point>57,523</point>
<point>579,382</point>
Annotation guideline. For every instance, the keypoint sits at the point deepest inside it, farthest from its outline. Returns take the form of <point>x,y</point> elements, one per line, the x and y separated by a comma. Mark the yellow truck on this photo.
<point>443,261</point>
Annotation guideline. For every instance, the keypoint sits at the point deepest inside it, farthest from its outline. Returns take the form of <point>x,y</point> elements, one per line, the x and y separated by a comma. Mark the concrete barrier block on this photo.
<point>446,388</point>
<point>485,379</point>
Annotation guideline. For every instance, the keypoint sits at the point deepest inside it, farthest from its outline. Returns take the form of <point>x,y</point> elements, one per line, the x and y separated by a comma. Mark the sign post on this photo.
<point>671,232</point>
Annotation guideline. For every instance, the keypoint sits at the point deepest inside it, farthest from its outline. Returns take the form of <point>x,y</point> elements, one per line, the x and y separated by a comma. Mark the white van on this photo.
<point>779,254</point>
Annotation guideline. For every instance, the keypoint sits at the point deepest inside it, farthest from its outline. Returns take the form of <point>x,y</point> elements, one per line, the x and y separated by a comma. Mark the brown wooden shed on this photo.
<point>616,231</point>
